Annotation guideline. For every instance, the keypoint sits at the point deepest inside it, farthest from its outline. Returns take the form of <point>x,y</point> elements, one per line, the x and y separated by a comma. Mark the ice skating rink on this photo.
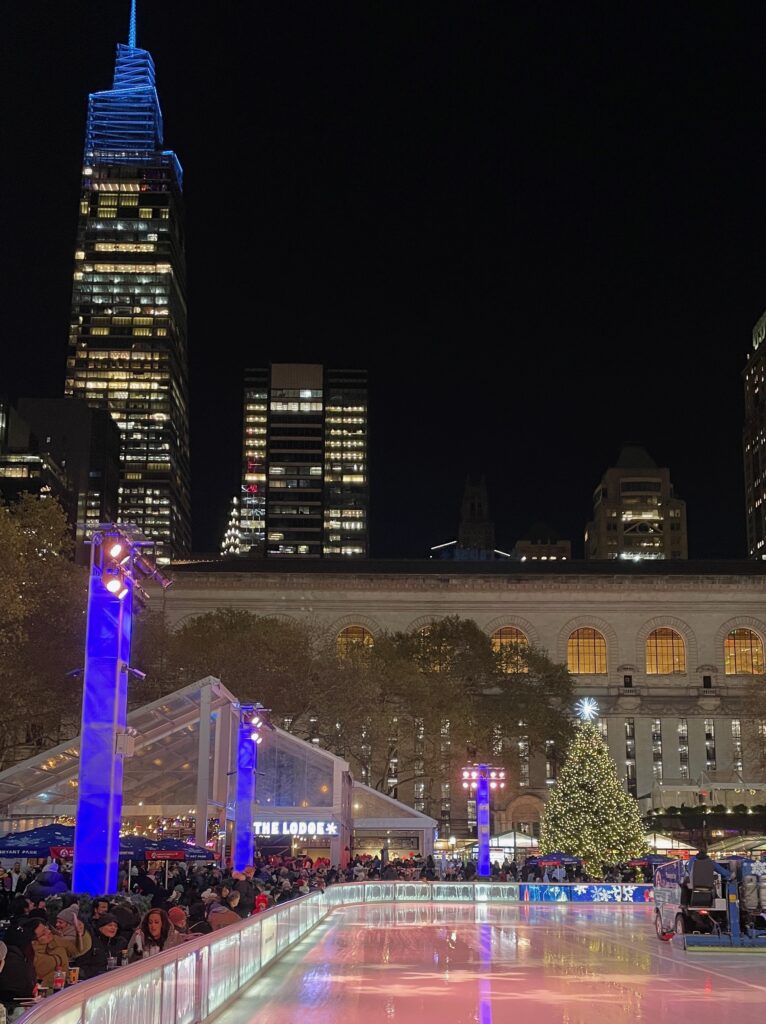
<point>426,963</point>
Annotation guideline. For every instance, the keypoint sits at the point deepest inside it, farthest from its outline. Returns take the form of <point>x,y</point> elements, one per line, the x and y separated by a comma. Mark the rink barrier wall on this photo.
<point>193,982</point>
<point>488,892</point>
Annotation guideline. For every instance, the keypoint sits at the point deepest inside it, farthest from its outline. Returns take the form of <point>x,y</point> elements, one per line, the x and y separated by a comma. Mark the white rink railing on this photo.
<point>189,983</point>
<point>489,892</point>
<point>192,982</point>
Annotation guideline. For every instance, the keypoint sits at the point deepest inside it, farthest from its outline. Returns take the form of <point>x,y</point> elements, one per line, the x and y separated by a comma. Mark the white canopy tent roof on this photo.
<point>738,844</point>
<point>514,840</point>
<point>657,841</point>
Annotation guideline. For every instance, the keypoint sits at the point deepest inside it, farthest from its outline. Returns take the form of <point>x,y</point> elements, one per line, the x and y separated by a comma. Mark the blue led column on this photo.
<point>104,715</point>
<point>247,760</point>
<point>482,820</point>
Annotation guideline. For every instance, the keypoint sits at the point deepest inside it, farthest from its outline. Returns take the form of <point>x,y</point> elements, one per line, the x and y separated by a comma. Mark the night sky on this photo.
<point>539,227</point>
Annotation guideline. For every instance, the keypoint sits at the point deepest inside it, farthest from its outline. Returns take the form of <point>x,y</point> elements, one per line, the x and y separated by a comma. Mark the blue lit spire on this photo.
<point>125,119</point>
<point>132,28</point>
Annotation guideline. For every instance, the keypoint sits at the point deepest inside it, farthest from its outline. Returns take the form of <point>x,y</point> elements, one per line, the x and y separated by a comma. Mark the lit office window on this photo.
<point>657,749</point>
<point>736,743</point>
<point>683,748</point>
<point>710,757</point>
<point>630,755</point>
<point>743,653</point>
<point>510,643</point>
<point>353,639</point>
<point>665,652</point>
<point>586,652</point>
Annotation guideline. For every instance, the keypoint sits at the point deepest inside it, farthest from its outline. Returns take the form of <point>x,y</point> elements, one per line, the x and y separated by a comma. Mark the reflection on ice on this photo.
<point>488,963</point>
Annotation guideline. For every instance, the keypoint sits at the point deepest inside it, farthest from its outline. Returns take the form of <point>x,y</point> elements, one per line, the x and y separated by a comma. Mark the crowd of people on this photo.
<point>49,930</point>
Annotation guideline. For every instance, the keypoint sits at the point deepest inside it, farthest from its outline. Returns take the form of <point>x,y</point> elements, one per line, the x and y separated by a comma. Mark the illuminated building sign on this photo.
<point>285,827</point>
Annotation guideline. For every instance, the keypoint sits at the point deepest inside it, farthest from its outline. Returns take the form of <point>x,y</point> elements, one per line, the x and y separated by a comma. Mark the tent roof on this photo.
<point>162,770</point>
<point>369,809</point>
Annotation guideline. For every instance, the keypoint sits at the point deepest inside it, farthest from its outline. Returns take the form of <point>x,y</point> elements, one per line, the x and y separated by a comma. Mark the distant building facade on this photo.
<point>542,543</point>
<point>26,466</point>
<point>305,475</point>
<point>667,650</point>
<point>635,512</point>
<point>85,442</point>
<point>476,531</point>
<point>754,442</point>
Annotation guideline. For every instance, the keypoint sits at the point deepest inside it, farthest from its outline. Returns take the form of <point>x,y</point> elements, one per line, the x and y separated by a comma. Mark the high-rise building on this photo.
<point>85,442</point>
<point>754,442</point>
<point>305,480</point>
<point>127,336</point>
<point>635,513</point>
<point>26,466</point>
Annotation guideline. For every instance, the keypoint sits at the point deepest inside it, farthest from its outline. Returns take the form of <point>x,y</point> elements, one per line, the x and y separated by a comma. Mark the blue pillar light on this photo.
<point>253,722</point>
<point>114,562</point>
<point>483,780</point>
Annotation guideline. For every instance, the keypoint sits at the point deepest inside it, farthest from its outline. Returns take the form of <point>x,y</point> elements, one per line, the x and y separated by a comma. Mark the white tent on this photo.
<point>738,844</point>
<point>513,841</point>
<point>658,842</point>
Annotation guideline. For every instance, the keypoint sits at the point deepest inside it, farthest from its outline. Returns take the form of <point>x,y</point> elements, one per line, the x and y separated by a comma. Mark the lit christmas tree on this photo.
<point>589,814</point>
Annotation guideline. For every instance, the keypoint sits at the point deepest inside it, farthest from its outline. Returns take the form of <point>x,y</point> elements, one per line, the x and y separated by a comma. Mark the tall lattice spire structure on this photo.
<point>132,26</point>
<point>127,334</point>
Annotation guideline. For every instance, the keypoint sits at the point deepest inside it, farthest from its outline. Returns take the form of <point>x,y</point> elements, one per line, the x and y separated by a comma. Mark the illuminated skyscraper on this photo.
<point>636,514</point>
<point>127,336</point>
<point>305,482</point>
<point>754,442</point>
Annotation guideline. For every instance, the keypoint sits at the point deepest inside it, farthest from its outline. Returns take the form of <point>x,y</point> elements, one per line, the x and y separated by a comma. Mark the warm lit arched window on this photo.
<point>743,653</point>
<point>510,643</point>
<point>586,652</point>
<point>351,639</point>
<point>665,652</point>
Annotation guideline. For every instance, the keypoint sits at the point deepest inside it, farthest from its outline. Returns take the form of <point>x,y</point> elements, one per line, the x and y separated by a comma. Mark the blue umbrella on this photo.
<point>36,842</point>
<point>558,858</point>
<point>188,850</point>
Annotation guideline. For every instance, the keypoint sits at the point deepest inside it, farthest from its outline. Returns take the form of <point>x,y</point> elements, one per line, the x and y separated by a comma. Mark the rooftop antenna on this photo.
<point>132,28</point>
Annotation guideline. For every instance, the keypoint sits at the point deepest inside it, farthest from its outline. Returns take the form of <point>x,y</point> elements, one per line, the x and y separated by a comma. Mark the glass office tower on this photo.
<point>305,481</point>
<point>127,336</point>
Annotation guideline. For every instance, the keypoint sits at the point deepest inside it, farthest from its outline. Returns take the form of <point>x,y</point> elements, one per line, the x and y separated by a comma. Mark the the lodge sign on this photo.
<point>286,827</point>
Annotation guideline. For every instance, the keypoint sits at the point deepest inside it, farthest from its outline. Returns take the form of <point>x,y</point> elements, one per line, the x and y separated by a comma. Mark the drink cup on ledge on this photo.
<point>73,975</point>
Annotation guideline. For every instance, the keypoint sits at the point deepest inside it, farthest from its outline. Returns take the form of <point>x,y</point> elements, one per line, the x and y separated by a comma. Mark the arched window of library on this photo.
<point>510,643</point>
<point>586,652</point>
<point>353,640</point>
<point>743,653</point>
<point>665,652</point>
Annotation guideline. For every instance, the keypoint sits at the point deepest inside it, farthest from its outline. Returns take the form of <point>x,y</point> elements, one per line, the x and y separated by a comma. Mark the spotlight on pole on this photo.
<point>481,779</point>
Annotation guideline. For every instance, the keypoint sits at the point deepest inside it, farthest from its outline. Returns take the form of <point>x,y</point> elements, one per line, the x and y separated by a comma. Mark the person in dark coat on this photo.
<point>18,979</point>
<point>48,883</point>
<point>107,942</point>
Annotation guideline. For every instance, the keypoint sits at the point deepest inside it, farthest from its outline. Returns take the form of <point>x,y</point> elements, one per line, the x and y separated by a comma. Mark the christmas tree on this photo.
<point>589,814</point>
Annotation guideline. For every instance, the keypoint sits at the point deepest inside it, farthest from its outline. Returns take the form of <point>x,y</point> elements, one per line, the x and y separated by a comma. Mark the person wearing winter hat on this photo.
<point>219,914</point>
<point>54,952</point>
<point>179,920</point>
<point>108,944</point>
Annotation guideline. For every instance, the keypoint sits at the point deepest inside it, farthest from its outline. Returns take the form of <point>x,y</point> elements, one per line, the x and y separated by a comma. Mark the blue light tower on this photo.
<point>115,563</point>
<point>252,723</point>
<point>482,779</point>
